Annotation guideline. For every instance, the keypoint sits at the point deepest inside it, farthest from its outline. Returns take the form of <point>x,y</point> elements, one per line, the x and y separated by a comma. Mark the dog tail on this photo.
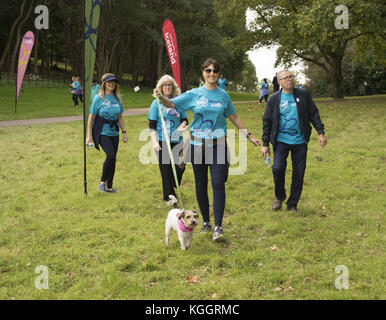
<point>173,201</point>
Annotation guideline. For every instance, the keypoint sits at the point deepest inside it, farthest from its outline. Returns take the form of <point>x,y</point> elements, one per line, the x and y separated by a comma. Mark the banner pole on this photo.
<point>84,98</point>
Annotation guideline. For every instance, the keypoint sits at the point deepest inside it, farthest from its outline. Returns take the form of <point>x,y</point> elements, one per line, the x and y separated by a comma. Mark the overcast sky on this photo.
<point>264,61</point>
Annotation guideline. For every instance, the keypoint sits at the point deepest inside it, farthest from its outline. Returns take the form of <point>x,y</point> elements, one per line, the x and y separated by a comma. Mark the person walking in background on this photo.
<point>276,86</point>
<point>211,107</point>
<point>286,125</point>
<point>176,123</point>
<point>104,122</point>
<point>79,92</point>
<point>264,91</point>
<point>222,82</point>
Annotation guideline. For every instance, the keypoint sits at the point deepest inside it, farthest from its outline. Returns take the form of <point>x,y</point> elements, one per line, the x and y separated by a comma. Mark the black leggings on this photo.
<point>165,166</point>
<point>110,147</point>
<point>219,166</point>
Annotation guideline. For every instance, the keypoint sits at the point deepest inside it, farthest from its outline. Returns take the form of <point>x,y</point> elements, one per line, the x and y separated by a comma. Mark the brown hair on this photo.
<point>210,61</point>
<point>103,88</point>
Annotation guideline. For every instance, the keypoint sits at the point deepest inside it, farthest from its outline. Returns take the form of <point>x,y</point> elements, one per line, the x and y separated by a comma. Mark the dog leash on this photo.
<point>170,154</point>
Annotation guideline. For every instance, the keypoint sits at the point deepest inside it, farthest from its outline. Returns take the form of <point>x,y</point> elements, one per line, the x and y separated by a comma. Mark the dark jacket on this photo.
<point>307,112</point>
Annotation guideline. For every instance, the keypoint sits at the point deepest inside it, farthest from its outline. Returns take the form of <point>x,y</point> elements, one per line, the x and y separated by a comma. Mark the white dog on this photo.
<point>183,221</point>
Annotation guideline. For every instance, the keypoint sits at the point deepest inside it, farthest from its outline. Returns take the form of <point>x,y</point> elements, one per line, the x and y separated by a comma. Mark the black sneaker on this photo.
<point>218,233</point>
<point>207,227</point>
<point>111,191</point>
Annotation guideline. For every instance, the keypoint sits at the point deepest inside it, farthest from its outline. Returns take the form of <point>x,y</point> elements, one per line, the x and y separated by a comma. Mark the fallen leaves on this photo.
<point>274,248</point>
<point>193,280</point>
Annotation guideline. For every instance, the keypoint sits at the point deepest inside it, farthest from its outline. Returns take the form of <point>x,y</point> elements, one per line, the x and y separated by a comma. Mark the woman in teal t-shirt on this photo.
<point>211,107</point>
<point>176,123</point>
<point>103,127</point>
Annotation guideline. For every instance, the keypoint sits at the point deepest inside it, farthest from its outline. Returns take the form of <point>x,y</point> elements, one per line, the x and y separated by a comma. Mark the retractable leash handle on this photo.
<point>170,153</point>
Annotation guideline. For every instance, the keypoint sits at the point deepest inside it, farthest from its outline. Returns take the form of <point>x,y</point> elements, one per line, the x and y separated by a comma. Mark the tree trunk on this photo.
<point>10,37</point>
<point>36,49</point>
<point>17,44</point>
<point>336,77</point>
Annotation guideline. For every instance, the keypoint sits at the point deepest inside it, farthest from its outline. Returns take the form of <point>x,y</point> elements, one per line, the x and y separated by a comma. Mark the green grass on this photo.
<point>57,102</point>
<point>112,246</point>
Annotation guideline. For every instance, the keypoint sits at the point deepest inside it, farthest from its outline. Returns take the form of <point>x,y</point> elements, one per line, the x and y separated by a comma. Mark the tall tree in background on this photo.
<point>306,30</point>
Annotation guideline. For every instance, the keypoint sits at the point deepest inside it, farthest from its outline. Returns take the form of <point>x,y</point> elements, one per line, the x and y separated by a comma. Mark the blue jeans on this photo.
<point>299,157</point>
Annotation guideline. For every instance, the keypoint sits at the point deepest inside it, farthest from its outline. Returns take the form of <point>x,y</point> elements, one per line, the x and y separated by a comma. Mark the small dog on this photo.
<point>183,221</point>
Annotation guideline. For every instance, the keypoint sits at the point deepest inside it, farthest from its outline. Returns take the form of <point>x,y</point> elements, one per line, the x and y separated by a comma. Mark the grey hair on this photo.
<point>167,78</point>
<point>282,71</point>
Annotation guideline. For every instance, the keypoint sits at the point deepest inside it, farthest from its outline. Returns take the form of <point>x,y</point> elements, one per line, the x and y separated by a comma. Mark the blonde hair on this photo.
<point>102,90</point>
<point>167,78</point>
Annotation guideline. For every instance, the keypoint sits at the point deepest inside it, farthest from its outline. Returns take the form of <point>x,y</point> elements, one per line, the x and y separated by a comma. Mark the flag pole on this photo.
<point>84,100</point>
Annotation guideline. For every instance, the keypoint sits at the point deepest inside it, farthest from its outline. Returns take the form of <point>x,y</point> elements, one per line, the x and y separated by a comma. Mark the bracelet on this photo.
<point>123,131</point>
<point>248,135</point>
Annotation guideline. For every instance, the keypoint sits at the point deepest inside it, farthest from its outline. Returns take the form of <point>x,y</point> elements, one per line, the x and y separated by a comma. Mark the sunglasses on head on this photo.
<point>211,70</point>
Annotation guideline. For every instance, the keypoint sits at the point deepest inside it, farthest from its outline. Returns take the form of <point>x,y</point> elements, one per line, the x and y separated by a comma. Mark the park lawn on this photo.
<point>57,102</point>
<point>111,246</point>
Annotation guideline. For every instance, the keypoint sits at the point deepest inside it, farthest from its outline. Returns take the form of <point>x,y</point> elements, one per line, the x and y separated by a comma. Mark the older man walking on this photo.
<point>286,124</point>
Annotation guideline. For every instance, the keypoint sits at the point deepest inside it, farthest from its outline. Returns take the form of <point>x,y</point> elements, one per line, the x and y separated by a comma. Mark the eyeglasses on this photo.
<point>288,77</point>
<point>211,70</point>
<point>167,85</point>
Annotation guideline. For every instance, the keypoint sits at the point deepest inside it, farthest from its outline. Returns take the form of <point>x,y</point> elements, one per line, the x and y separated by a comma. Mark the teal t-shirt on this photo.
<point>210,110</point>
<point>77,85</point>
<point>172,122</point>
<point>289,130</point>
<point>222,83</point>
<point>110,109</point>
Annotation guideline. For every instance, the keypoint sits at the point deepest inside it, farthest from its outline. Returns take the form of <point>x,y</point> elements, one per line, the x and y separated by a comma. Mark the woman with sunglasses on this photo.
<point>103,127</point>
<point>176,124</point>
<point>211,107</point>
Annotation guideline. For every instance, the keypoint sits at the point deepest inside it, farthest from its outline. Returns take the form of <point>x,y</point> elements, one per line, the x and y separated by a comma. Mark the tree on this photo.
<point>306,30</point>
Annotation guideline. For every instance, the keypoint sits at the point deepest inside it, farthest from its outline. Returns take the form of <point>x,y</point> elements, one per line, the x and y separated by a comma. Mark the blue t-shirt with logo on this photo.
<point>77,85</point>
<point>289,129</point>
<point>222,83</point>
<point>110,109</point>
<point>172,121</point>
<point>210,110</point>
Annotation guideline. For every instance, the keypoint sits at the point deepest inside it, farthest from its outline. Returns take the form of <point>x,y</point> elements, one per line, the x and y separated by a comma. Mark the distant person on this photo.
<point>95,87</point>
<point>276,86</point>
<point>211,107</point>
<point>104,121</point>
<point>79,92</point>
<point>286,125</point>
<point>201,82</point>
<point>176,123</point>
<point>222,82</point>
<point>76,90</point>
<point>264,91</point>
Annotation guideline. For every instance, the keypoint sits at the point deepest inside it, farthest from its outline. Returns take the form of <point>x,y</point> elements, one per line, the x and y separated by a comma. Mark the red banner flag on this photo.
<point>172,49</point>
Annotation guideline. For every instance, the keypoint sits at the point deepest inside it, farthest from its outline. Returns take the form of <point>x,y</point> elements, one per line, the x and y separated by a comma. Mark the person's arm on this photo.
<point>90,124</point>
<point>165,101</point>
<point>236,120</point>
<point>122,125</point>
<point>313,114</point>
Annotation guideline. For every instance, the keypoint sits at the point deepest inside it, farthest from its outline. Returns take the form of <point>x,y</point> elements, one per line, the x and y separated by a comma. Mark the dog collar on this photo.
<point>182,227</point>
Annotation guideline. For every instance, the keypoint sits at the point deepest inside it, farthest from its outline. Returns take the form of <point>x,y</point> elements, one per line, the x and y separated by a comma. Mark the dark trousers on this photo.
<point>110,147</point>
<point>299,157</point>
<point>75,98</point>
<point>216,159</point>
<point>265,98</point>
<point>165,167</point>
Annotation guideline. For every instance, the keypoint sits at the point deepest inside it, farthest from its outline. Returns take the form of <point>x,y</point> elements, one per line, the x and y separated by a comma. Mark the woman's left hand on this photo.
<point>183,127</point>
<point>125,139</point>
<point>255,141</point>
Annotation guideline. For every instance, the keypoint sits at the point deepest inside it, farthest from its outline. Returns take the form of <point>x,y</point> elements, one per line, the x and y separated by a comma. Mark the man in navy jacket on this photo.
<point>286,124</point>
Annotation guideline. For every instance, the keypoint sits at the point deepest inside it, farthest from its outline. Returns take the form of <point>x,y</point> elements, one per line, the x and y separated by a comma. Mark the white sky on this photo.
<point>264,58</point>
<point>264,61</point>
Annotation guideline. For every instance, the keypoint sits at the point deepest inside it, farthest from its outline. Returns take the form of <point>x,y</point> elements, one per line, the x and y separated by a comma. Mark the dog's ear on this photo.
<point>181,214</point>
<point>196,214</point>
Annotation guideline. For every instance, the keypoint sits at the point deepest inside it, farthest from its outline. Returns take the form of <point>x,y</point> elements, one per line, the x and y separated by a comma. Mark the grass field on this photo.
<point>112,246</point>
<point>57,102</point>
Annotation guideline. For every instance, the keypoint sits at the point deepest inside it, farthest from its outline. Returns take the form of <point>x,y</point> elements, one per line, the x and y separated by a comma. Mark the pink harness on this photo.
<point>182,227</point>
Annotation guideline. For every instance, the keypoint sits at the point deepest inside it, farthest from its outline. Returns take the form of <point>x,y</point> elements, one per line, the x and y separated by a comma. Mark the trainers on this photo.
<point>218,233</point>
<point>206,228</point>
<point>111,191</point>
<point>276,205</point>
<point>102,187</point>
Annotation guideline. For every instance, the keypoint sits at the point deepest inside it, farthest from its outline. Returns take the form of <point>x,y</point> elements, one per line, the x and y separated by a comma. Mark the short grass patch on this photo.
<point>111,246</point>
